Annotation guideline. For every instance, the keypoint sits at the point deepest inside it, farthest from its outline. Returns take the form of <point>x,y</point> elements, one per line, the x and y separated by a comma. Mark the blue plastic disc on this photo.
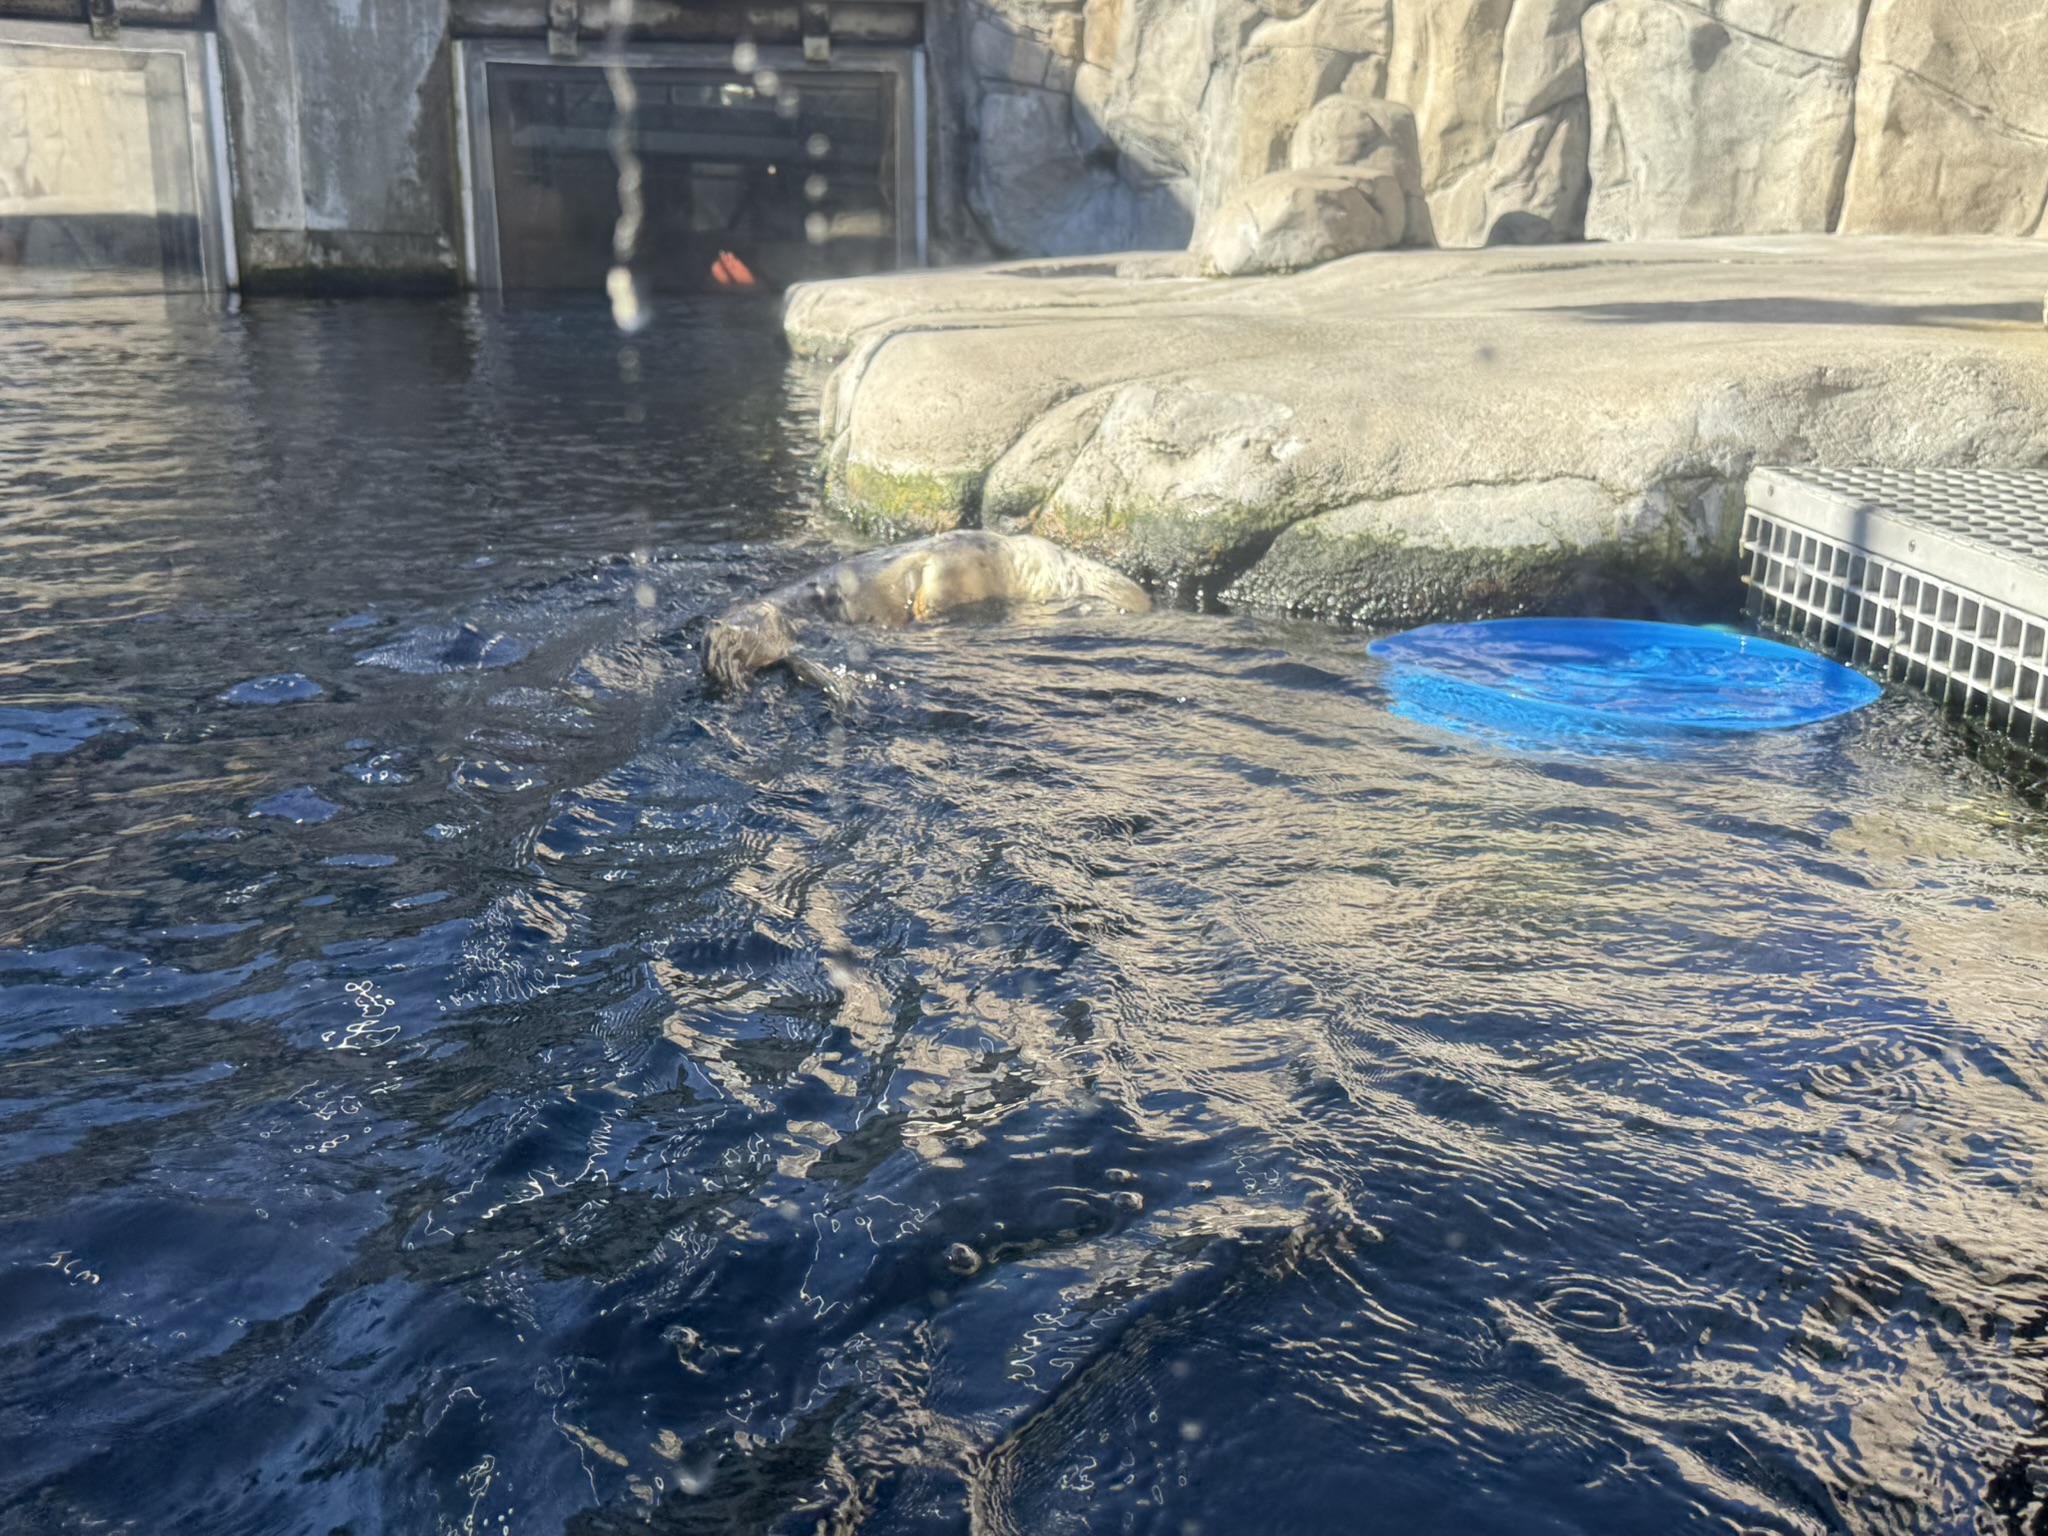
<point>1544,677</point>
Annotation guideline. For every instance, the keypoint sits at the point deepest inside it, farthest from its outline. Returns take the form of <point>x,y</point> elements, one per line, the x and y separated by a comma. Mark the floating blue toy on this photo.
<point>1538,681</point>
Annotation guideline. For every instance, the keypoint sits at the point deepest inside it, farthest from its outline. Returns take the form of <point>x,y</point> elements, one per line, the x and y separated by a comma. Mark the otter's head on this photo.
<point>743,640</point>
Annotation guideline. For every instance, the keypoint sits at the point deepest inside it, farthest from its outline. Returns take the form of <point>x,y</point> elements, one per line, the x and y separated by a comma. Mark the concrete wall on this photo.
<point>341,114</point>
<point>343,121</point>
<point>1075,126</point>
<point>102,164</point>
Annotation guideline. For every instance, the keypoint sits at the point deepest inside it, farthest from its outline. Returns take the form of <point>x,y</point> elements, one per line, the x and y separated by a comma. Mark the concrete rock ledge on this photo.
<point>1412,435</point>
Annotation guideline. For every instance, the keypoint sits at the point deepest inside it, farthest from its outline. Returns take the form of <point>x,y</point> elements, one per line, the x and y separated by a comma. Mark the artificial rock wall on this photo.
<point>1079,126</point>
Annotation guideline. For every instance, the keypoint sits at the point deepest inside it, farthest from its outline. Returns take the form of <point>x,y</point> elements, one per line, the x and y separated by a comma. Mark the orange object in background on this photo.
<point>730,272</point>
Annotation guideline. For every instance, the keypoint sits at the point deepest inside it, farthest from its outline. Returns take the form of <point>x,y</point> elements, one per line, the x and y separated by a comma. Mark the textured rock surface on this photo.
<point>1538,120</point>
<point>1702,127</point>
<point>1561,545</point>
<point>1295,219</point>
<point>1418,433</point>
<point>1353,184</point>
<point>1951,119</point>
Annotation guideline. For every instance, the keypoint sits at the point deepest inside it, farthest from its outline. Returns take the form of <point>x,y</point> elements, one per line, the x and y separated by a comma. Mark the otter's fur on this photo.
<point>905,584</point>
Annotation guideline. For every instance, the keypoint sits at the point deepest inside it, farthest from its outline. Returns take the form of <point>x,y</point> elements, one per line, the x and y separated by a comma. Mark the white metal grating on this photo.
<point>1937,579</point>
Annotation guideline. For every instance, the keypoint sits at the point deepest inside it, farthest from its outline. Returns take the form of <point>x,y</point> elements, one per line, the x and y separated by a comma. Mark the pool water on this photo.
<point>1109,1074</point>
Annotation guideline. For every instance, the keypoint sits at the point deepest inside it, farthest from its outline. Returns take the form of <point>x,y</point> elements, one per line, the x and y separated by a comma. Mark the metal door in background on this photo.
<point>776,176</point>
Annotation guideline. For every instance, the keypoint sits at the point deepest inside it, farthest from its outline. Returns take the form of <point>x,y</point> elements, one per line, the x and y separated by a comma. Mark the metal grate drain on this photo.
<point>1937,579</point>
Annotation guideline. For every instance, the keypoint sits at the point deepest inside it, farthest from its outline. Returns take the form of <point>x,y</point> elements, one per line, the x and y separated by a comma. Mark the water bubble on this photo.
<point>301,807</point>
<point>437,648</point>
<point>695,1478</point>
<point>644,595</point>
<point>789,103</point>
<point>767,82</point>
<point>629,365</point>
<point>495,776</point>
<point>817,146</point>
<point>817,229</point>
<point>277,688</point>
<point>745,57</point>
<point>386,768</point>
<point>628,313</point>
<point>1191,1429</point>
<point>815,188</point>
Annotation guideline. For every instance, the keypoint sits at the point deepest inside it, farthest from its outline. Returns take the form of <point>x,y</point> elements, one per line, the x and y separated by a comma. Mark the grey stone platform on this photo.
<point>1418,435</point>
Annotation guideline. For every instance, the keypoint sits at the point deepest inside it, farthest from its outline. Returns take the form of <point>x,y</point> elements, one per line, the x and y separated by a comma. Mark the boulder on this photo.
<point>1347,131</point>
<point>1295,219</point>
<point>1702,128</point>
<point>1951,119</point>
<point>1352,184</point>
<point>1554,545</point>
<point>1272,94</point>
<point>1175,476</point>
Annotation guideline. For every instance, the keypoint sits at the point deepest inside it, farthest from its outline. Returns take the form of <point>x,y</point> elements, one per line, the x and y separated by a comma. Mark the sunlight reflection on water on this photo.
<point>1111,1075</point>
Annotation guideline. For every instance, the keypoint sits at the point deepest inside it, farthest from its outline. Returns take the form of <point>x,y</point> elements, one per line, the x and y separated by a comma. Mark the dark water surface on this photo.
<point>1110,1076</point>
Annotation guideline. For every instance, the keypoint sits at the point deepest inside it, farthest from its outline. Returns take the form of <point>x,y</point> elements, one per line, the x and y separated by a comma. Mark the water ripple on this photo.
<point>1100,1075</point>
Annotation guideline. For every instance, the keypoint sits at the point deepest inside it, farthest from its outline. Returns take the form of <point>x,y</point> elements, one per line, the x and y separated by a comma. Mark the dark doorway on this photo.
<point>745,186</point>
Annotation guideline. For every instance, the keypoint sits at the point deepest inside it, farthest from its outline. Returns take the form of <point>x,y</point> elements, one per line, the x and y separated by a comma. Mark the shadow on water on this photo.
<point>1108,1075</point>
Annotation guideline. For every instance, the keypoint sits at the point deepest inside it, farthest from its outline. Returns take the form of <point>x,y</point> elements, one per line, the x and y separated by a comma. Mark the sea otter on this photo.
<point>904,584</point>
